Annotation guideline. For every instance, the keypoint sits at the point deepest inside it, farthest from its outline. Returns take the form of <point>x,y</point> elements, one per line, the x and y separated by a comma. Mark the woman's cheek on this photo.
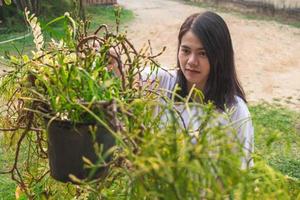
<point>182,60</point>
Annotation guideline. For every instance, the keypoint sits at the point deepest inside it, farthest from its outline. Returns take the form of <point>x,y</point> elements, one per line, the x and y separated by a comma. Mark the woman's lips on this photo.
<point>191,70</point>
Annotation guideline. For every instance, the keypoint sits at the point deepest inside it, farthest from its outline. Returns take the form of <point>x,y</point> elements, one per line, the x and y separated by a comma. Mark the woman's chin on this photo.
<point>192,79</point>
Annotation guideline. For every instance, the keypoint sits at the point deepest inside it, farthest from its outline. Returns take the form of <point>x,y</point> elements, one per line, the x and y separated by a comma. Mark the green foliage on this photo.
<point>179,168</point>
<point>71,71</point>
<point>67,79</point>
<point>287,165</point>
<point>7,188</point>
<point>275,117</point>
<point>13,17</point>
<point>95,14</point>
<point>277,137</point>
<point>20,46</point>
<point>161,161</point>
<point>7,2</point>
<point>105,15</point>
<point>182,168</point>
<point>155,156</point>
<point>54,8</point>
<point>168,165</point>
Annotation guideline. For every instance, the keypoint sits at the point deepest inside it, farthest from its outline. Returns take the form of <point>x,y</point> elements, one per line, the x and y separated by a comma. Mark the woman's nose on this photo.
<point>193,59</point>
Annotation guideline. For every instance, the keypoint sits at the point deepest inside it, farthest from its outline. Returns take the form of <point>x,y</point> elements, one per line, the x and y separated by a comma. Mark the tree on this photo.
<point>81,10</point>
<point>11,11</point>
<point>32,5</point>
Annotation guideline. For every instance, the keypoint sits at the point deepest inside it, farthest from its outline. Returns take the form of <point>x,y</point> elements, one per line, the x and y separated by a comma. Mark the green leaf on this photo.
<point>7,2</point>
<point>54,21</point>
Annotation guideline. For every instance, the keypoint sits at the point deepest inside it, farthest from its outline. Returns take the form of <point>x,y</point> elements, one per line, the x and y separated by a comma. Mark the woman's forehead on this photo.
<point>190,40</point>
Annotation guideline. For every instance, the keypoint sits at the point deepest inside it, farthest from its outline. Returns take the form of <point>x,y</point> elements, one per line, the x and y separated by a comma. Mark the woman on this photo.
<point>205,60</point>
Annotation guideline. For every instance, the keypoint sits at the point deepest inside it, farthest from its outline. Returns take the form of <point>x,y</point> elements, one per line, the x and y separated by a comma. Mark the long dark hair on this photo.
<point>222,84</point>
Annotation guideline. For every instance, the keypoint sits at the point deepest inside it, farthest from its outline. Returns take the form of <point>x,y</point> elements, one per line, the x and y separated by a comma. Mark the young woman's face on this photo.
<point>193,61</point>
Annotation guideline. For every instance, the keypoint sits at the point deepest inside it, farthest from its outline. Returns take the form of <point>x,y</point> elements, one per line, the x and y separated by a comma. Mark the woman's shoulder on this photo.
<point>166,78</point>
<point>241,110</point>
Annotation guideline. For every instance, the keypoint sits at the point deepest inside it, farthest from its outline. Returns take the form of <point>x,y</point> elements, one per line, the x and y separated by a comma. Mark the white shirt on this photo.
<point>240,118</point>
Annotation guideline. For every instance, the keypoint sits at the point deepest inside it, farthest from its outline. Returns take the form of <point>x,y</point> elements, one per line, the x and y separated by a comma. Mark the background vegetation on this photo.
<point>274,122</point>
<point>277,131</point>
<point>280,11</point>
<point>15,26</point>
<point>12,15</point>
<point>277,140</point>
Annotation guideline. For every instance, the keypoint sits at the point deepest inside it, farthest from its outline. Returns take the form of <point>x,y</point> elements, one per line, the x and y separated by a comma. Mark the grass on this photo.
<point>96,14</point>
<point>277,137</point>
<point>7,188</point>
<point>105,15</point>
<point>22,45</point>
<point>7,185</point>
<point>246,14</point>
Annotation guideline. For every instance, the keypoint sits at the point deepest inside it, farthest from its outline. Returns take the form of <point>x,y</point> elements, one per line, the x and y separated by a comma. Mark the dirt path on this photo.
<point>267,53</point>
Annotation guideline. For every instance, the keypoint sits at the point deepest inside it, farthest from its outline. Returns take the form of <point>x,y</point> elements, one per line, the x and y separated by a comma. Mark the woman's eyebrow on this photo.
<point>187,47</point>
<point>184,46</point>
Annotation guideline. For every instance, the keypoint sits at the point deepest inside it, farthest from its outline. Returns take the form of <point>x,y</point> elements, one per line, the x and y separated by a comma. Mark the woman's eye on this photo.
<point>185,51</point>
<point>202,53</point>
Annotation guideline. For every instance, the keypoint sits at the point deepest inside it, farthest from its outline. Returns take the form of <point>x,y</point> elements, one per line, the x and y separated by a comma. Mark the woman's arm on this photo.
<point>245,131</point>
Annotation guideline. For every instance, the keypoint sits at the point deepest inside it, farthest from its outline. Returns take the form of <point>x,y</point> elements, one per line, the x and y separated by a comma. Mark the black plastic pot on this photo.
<point>69,143</point>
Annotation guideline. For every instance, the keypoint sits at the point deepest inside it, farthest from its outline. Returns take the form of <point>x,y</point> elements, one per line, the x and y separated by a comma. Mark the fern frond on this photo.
<point>36,29</point>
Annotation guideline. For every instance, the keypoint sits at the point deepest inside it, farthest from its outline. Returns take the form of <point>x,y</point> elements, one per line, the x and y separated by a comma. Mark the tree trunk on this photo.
<point>29,6</point>
<point>38,8</point>
<point>81,10</point>
<point>17,4</point>
<point>35,7</point>
<point>1,15</point>
<point>22,4</point>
